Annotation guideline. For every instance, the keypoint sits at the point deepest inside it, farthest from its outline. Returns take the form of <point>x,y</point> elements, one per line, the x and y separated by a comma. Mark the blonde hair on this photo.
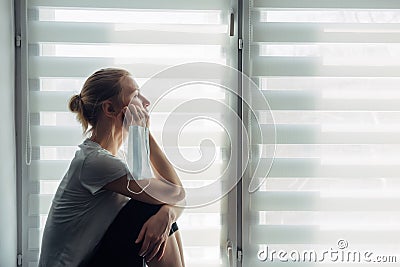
<point>100,86</point>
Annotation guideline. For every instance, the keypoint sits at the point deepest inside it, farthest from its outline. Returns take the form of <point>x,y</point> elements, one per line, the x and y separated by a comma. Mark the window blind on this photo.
<point>330,72</point>
<point>69,40</point>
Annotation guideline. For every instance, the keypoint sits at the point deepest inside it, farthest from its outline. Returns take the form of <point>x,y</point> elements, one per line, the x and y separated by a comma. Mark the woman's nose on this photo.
<point>145,101</point>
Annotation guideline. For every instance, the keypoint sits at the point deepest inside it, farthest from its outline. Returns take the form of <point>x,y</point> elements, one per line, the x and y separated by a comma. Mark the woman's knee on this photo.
<point>171,257</point>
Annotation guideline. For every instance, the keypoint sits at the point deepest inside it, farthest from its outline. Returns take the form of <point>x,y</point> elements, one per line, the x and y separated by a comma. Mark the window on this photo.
<point>329,70</point>
<point>70,40</point>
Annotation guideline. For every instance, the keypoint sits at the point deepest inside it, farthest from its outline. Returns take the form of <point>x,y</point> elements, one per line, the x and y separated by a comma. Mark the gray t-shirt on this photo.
<point>81,210</point>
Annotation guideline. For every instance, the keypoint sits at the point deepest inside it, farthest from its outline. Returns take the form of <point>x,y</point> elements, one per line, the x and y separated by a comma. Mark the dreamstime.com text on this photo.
<point>340,254</point>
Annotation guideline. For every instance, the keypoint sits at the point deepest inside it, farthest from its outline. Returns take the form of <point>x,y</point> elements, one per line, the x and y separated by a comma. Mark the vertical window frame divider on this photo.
<point>246,117</point>
<point>233,240</point>
<point>21,117</point>
<point>239,187</point>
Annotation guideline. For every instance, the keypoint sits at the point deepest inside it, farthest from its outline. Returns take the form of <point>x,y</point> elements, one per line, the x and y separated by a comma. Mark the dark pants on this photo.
<point>117,248</point>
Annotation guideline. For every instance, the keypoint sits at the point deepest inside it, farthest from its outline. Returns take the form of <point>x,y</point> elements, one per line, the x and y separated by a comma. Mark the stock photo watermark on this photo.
<point>342,253</point>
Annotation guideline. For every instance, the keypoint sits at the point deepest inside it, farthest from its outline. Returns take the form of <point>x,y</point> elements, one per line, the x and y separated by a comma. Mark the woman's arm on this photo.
<point>168,190</point>
<point>161,163</point>
<point>155,191</point>
<point>165,169</point>
<point>154,234</point>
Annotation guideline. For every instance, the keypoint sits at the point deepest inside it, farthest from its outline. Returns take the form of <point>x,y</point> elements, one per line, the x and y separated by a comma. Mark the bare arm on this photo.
<point>161,163</point>
<point>156,191</point>
<point>165,169</point>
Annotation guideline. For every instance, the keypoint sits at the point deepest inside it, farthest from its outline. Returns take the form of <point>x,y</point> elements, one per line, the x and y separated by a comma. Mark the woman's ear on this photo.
<point>108,109</point>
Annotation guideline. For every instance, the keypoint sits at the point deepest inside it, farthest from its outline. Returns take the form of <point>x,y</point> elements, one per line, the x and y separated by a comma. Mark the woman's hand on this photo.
<point>154,234</point>
<point>135,114</point>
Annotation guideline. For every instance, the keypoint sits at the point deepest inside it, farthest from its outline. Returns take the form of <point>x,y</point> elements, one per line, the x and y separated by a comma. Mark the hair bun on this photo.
<point>75,103</point>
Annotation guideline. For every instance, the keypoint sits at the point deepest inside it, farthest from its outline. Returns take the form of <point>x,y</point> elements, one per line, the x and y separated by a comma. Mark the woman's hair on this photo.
<point>100,86</point>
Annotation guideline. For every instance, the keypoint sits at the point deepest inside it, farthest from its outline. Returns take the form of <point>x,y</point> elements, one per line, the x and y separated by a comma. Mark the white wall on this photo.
<point>8,206</point>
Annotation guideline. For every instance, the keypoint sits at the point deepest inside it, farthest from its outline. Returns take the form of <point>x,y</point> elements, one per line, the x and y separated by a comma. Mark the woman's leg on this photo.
<point>172,255</point>
<point>180,246</point>
<point>118,247</point>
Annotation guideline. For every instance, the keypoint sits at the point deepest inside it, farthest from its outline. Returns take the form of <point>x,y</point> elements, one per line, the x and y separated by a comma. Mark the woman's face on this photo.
<point>131,93</point>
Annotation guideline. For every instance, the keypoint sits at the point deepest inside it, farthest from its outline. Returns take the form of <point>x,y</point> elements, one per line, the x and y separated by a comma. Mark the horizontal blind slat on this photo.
<point>48,169</point>
<point>56,135</point>
<point>47,66</point>
<point>315,100</point>
<point>127,4</point>
<point>105,33</point>
<point>200,237</point>
<point>315,134</point>
<point>269,66</point>
<point>302,32</point>
<point>327,4</point>
<point>313,201</point>
<point>315,168</point>
<point>80,67</point>
<point>305,234</point>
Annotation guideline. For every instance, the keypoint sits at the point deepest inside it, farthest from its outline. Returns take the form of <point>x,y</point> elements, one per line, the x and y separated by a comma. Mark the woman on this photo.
<point>99,218</point>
